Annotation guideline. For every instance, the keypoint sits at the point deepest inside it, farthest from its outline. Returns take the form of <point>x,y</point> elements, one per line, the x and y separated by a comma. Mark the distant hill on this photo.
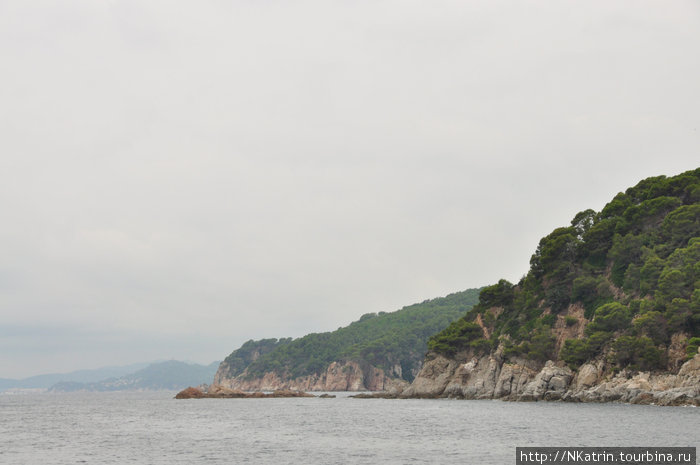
<point>80,376</point>
<point>393,343</point>
<point>170,375</point>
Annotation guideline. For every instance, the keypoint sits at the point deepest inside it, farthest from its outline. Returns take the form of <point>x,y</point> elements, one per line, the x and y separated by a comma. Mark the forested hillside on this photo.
<point>383,340</point>
<point>621,284</point>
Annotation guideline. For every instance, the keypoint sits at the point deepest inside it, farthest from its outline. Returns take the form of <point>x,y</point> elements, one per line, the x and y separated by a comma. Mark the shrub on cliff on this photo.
<point>633,267</point>
<point>455,337</point>
<point>637,353</point>
<point>692,348</point>
<point>609,317</point>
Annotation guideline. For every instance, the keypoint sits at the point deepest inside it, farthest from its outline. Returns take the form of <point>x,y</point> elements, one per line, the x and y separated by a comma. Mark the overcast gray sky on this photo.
<point>177,177</point>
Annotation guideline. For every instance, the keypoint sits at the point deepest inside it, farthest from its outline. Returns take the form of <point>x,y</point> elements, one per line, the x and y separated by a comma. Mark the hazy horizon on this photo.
<point>178,178</point>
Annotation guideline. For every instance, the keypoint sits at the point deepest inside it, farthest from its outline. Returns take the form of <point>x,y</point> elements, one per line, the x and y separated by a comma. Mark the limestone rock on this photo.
<point>433,378</point>
<point>588,375</point>
<point>475,379</point>
<point>489,376</point>
<point>190,393</point>
<point>512,380</point>
<point>219,392</point>
<point>339,376</point>
<point>552,381</point>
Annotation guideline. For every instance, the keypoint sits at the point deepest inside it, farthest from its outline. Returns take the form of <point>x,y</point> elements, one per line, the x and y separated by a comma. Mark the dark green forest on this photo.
<point>633,268</point>
<point>238,361</point>
<point>384,340</point>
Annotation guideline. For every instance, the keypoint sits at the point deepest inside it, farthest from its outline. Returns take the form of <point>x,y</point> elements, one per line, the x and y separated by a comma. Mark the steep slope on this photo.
<point>379,351</point>
<point>236,363</point>
<point>610,310</point>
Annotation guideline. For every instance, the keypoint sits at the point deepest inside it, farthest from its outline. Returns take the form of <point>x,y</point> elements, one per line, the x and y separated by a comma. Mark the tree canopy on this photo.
<point>633,267</point>
<point>384,340</point>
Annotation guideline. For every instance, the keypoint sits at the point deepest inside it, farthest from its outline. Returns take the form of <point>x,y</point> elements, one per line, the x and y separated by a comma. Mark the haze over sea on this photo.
<point>153,428</point>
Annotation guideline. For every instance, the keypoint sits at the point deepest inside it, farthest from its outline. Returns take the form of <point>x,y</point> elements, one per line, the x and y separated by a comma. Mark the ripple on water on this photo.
<point>153,428</point>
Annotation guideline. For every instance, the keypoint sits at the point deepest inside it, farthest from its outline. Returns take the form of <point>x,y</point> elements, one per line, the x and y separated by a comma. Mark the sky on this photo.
<point>178,177</point>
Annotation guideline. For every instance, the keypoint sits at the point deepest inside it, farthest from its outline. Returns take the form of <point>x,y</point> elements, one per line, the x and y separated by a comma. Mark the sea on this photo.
<point>154,428</point>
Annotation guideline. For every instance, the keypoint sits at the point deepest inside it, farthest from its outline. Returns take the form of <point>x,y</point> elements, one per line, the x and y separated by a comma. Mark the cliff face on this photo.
<point>237,362</point>
<point>467,376</point>
<point>380,351</point>
<point>339,376</point>
<point>609,311</point>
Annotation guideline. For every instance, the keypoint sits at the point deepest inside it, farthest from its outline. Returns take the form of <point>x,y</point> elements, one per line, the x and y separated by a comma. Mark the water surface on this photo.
<point>153,428</point>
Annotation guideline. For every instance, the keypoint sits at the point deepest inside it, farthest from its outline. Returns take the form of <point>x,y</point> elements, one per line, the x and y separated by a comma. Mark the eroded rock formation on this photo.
<point>492,377</point>
<point>339,376</point>
<point>219,392</point>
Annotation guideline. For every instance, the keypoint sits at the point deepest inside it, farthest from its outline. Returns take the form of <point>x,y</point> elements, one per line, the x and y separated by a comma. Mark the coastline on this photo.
<point>493,377</point>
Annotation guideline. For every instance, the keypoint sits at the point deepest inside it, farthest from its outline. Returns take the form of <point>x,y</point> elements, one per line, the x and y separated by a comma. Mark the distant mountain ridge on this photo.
<point>45,381</point>
<point>169,375</point>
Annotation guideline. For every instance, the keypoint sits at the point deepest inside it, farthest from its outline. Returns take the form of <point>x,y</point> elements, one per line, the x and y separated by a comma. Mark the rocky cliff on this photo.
<point>381,351</point>
<point>469,376</point>
<point>339,376</point>
<point>609,311</point>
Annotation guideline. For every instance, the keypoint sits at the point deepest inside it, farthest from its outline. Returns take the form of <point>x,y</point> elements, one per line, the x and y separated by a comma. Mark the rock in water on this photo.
<point>219,392</point>
<point>190,393</point>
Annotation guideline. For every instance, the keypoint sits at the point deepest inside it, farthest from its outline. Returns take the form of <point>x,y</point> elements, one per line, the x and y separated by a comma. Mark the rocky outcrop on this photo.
<point>682,388</point>
<point>190,393</point>
<point>339,376</point>
<point>218,392</point>
<point>468,376</point>
<point>433,377</point>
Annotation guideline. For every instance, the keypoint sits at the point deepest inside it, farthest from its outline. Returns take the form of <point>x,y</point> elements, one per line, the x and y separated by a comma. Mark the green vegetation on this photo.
<point>461,333</point>
<point>692,347</point>
<point>385,340</point>
<point>637,353</point>
<point>238,361</point>
<point>633,268</point>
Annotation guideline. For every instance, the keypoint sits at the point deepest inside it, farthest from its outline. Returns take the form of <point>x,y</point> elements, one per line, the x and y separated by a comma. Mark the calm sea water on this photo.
<point>153,428</point>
